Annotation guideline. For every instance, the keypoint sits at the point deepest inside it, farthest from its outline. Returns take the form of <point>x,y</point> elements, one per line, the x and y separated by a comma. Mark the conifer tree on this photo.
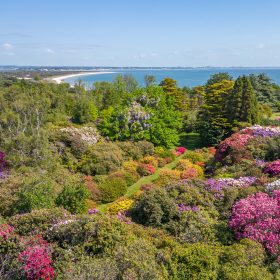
<point>242,103</point>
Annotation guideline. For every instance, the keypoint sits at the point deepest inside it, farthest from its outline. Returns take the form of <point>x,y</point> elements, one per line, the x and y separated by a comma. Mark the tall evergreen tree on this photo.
<point>242,105</point>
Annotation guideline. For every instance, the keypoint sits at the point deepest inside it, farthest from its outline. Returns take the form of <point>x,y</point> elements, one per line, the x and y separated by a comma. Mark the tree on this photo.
<point>219,77</point>
<point>150,80</point>
<point>242,102</point>
<point>266,91</point>
<point>181,101</point>
<point>213,121</point>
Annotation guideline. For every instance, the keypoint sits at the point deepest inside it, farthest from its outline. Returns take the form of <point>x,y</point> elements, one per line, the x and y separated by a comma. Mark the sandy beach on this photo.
<point>60,79</point>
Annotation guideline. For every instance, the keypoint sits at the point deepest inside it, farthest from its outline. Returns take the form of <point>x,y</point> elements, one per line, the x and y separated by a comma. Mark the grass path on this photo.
<point>142,181</point>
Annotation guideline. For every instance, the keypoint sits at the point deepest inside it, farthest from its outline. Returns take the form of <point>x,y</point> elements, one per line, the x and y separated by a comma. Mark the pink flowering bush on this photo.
<point>6,231</point>
<point>236,142</point>
<point>257,217</point>
<point>36,260</point>
<point>273,168</point>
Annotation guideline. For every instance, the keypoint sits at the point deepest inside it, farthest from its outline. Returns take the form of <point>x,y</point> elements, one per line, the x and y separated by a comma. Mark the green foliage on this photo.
<point>103,158</point>
<point>242,102</point>
<point>112,188</point>
<point>37,221</point>
<point>72,198</point>
<point>84,110</point>
<point>213,123</point>
<point>36,194</point>
<point>197,262</point>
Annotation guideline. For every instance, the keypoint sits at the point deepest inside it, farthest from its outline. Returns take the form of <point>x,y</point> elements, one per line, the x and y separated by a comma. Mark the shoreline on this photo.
<point>60,79</point>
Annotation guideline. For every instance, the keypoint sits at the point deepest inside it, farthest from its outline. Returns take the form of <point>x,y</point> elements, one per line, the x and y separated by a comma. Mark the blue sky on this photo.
<point>140,32</point>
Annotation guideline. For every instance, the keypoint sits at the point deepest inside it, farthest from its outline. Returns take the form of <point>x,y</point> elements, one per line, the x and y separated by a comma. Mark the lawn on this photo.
<point>191,141</point>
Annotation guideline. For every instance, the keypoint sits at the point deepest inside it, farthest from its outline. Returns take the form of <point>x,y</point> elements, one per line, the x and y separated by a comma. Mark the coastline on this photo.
<point>60,79</point>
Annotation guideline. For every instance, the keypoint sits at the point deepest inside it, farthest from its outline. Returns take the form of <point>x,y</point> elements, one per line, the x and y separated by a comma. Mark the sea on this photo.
<point>185,77</point>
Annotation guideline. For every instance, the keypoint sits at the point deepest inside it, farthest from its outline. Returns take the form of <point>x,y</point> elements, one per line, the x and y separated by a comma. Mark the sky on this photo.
<point>140,33</point>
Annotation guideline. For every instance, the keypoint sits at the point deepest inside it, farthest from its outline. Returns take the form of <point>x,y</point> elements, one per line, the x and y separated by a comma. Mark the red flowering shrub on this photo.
<point>146,169</point>
<point>273,168</point>
<point>258,217</point>
<point>36,260</point>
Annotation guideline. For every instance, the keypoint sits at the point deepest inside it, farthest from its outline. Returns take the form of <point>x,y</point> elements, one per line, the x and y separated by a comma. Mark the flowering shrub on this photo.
<point>194,156</point>
<point>183,164</point>
<point>87,134</point>
<point>258,217</point>
<point>273,186</point>
<point>261,131</point>
<point>6,231</point>
<point>120,206</point>
<point>167,176</point>
<point>146,169</point>
<point>150,160</point>
<point>130,165</point>
<point>217,186</point>
<point>36,260</point>
<point>93,211</point>
<point>236,142</point>
<point>273,168</point>
<point>180,150</point>
<point>122,216</point>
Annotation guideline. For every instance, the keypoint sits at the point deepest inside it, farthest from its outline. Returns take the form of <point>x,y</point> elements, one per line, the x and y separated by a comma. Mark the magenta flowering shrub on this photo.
<point>273,168</point>
<point>179,151</point>
<point>257,217</point>
<point>36,260</point>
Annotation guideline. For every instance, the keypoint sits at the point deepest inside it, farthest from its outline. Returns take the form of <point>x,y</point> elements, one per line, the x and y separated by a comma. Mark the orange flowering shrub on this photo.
<point>150,160</point>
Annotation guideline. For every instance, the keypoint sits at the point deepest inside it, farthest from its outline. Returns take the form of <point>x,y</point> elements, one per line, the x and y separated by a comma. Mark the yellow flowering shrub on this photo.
<point>121,205</point>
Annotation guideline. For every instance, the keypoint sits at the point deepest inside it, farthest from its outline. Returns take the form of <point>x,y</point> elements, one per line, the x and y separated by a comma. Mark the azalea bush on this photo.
<point>36,260</point>
<point>180,150</point>
<point>258,217</point>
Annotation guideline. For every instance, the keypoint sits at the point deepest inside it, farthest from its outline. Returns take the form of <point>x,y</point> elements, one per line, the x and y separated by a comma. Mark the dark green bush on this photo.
<point>72,198</point>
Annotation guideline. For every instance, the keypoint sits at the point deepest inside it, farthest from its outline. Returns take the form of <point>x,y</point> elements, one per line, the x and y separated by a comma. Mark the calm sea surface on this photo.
<point>184,77</point>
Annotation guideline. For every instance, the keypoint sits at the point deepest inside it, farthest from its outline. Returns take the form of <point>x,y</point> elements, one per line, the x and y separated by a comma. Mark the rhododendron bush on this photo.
<point>258,217</point>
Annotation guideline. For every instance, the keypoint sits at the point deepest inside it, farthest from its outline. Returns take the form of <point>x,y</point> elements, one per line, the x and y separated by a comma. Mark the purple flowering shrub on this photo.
<point>273,168</point>
<point>257,217</point>
<point>218,186</point>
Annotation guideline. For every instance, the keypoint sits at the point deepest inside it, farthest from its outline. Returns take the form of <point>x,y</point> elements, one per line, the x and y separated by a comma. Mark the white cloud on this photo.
<point>7,46</point>
<point>50,51</point>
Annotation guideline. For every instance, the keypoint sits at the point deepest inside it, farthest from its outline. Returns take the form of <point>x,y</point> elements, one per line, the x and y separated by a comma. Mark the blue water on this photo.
<point>184,77</point>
